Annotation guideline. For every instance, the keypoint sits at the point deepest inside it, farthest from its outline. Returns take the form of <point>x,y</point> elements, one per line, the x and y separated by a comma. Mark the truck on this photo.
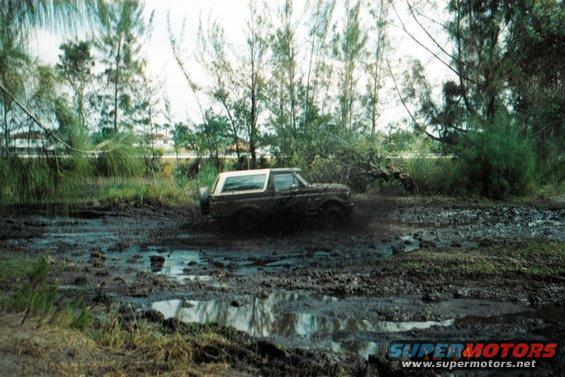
<point>245,197</point>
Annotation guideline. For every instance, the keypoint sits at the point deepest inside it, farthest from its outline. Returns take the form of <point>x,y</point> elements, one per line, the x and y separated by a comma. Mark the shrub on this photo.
<point>499,159</point>
<point>437,175</point>
<point>350,164</point>
<point>119,157</point>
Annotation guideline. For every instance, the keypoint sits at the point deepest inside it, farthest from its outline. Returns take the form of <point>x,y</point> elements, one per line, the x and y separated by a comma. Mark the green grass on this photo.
<point>536,259</point>
<point>13,268</point>
<point>25,287</point>
<point>140,191</point>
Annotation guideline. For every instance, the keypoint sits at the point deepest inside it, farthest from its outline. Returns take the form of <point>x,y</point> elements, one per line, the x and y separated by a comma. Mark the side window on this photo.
<point>244,183</point>
<point>284,182</point>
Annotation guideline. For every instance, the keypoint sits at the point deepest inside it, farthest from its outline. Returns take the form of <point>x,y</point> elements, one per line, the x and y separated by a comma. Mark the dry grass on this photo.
<point>59,338</point>
<point>29,350</point>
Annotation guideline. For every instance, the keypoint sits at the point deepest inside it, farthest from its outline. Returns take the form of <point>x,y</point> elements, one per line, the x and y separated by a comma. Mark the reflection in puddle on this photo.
<point>267,317</point>
<point>178,264</point>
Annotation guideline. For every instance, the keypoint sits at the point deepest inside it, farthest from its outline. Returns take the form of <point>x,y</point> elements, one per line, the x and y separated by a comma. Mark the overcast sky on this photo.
<point>232,15</point>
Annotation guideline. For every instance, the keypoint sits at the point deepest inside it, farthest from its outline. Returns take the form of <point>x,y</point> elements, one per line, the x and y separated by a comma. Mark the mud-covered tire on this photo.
<point>204,200</point>
<point>334,216</point>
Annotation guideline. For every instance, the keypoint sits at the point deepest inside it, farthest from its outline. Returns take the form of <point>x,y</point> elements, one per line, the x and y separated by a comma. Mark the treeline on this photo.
<point>310,82</point>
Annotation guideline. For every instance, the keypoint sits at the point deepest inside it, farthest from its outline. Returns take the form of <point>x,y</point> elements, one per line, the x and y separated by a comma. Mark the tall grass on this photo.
<point>118,156</point>
<point>61,175</point>
<point>25,288</point>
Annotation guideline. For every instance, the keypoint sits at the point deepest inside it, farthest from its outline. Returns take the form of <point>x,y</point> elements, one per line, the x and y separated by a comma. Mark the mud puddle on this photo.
<point>356,325</point>
<point>311,289</point>
<point>272,317</point>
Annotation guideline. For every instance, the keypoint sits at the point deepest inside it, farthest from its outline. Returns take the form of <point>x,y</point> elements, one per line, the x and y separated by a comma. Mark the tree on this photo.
<point>535,41</point>
<point>15,66</point>
<point>212,135</point>
<point>348,49</point>
<point>75,66</point>
<point>284,56</point>
<point>120,46</point>
<point>17,20</point>
<point>374,67</point>
<point>254,84</point>
<point>475,59</point>
<point>506,56</point>
<point>319,71</point>
<point>222,88</point>
<point>182,137</point>
<point>150,108</point>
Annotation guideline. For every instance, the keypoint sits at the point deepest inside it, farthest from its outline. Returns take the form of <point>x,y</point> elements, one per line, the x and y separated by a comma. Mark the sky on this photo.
<point>232,15</point>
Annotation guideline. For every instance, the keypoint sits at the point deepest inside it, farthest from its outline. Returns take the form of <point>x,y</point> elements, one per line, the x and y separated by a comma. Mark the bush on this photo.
<point>119,157</point>
<point>500,160</point>
<point>25,287</point>
<point>153,161</point>
<point>41,179</point>
<point>494,160</point>
<point>437,175</point>
<point>350,164</point>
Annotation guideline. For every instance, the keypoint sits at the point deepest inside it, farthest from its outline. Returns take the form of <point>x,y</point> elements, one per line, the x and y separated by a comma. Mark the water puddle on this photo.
<point>275,317</point>
<point>178,265</point>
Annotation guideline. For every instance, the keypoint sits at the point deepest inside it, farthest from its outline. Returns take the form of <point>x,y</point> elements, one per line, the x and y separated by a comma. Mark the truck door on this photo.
<point>287,193</point>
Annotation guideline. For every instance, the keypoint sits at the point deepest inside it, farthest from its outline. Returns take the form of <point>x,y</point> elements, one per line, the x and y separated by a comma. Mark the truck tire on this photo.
<point>204,200</point>
<point>334,215</point>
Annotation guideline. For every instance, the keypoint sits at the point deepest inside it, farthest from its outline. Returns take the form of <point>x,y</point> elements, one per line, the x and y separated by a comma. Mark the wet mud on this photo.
<point>345,292</point>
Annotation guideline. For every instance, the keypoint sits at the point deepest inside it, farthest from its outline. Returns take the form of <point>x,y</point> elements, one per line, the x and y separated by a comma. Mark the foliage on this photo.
<point>119,45</point>
<point>296,88</point>
<point>142,191</point>
<point>212,135</point>
<point>25,288</point>
<point>119,157</point>
<point>75,66</point>
<point>497,162</point>
<point>437,175</point>
<point>348,48</point>
<point>207,175</point>
<point>501,160</point>
<point>350,164</point>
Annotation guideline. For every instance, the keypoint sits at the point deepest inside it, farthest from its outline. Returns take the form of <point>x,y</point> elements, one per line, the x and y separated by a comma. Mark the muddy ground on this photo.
<point>405,268</point>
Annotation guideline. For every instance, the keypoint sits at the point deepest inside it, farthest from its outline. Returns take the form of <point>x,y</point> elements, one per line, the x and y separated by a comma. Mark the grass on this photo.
<point>26,287</point>
<point>535,259</point>
<point>40,328</point>
<point>140,191</point>
<point>61,351</point>
<point>120,174</point>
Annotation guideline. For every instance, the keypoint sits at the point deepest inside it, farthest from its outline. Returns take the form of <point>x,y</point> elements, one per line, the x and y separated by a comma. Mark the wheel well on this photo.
<point>331,203</point>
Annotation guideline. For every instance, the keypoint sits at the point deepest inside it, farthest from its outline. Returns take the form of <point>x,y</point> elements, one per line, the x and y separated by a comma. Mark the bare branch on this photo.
<point>416,124</point>
<point>403,27</point>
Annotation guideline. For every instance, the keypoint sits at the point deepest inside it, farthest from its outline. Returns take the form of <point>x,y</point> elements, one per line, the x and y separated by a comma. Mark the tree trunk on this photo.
<point>234,129</point>
<point>253,120</point>
<point>6,132</point>
<point>116,83</point>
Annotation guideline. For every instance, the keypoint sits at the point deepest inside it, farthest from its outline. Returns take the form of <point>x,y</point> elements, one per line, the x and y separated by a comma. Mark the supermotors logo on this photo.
<point>469,354</point>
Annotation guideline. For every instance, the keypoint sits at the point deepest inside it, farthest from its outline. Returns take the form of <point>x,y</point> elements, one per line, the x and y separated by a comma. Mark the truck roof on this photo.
<point>257,171</point>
